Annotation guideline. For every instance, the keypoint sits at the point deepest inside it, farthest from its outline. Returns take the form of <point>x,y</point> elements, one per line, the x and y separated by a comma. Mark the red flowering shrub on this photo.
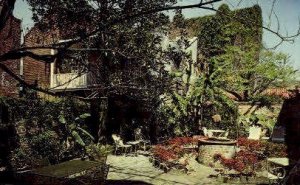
<point>180,141</point>
<point>251,145</point>
<point>243,162</point>
<point>269,149</point>
<point>173,149</point>
<point>163,153</point>
<point>248,157</point>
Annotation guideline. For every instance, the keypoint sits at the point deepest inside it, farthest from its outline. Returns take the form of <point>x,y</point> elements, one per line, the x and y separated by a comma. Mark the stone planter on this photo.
<point>208,149</point>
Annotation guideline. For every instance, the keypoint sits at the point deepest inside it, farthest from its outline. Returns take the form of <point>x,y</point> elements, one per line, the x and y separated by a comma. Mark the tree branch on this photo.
<point>19,53</point>
<point>21,81</point>
<point>235,94</point>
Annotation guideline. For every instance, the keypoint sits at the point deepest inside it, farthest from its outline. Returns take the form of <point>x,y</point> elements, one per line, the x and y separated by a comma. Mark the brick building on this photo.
<point>34,71</point>
<point>50,76</point>
<point>10,37</point>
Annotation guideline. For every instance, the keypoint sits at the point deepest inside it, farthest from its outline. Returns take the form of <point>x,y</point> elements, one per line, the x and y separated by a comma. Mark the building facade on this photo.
<point>10,39</point>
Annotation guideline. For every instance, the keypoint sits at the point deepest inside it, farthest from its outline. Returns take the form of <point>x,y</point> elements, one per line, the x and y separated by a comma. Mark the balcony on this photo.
<point>69,81</point>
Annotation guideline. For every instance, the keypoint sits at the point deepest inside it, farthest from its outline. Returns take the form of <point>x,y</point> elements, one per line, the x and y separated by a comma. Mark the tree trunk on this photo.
<point>93,122</point>
<point>102,131</point>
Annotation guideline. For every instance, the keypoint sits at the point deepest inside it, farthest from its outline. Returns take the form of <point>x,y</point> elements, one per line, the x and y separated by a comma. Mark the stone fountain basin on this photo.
<point>208,148</point>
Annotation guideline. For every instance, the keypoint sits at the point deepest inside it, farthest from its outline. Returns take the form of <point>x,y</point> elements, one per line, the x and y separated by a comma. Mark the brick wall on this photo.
<point>34,70</point>
<point>10,39</point>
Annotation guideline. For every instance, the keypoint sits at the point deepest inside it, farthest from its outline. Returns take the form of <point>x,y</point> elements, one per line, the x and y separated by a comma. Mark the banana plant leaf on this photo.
<point>85,133</point>
<point>77,138</point>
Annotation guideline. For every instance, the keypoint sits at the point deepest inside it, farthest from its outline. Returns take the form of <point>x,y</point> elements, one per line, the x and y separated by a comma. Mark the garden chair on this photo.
<point>119,144</point>
<point>277,168</point>
<point>139,137</point>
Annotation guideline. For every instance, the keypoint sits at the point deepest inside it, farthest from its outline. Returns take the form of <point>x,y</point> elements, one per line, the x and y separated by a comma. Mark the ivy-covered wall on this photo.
<point>241,28</point>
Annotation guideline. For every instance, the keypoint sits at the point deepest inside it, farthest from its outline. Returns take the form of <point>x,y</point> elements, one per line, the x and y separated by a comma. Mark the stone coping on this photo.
<point>216,142</point>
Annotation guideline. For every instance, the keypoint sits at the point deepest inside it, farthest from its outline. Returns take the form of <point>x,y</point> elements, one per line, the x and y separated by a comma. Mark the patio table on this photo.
<point>135,145</point>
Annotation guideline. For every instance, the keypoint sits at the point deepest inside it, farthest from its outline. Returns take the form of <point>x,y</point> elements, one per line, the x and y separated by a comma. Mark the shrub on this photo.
<point>266,148</point>
<point>275,149</point>
<point>173,152</point>
<point>164,154</point>
<point>244,162</point>
<point>20,158</point>
<point>180,141</point>
<point>98,152</point>
<point>47,145</point>
<point>250,145</point>
<point>39,134</point>
<point>251,154</point>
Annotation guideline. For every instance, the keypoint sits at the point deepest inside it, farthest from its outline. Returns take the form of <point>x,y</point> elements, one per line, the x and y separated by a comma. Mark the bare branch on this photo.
<point>287,38</point>
<point>24,83</point>
<point>19,53</point>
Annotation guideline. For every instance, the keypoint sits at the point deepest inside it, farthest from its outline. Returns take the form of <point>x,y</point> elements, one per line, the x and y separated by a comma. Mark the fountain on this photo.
<point>209,147</point>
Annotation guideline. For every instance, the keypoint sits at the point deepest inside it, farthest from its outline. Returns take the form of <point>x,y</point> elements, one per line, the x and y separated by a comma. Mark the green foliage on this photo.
<point>275,68</point>
<point>227,28</point>
<point>41,130</point>
<point>185,107</point>
<point>266,117</point>
<point>231,54</point>
<point>98,151</point>
<point>178,19</point>
<point>73,128</point>
<point>233,67</point>
<point>46,145</point>
<point>228,53</point>
<point>20,158</point>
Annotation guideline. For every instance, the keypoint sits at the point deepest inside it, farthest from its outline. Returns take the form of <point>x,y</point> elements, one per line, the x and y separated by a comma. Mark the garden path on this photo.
<point>138,170</point>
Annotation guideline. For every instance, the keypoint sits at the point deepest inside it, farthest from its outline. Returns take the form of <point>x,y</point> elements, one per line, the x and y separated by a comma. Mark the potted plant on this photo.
<point>98,152</point>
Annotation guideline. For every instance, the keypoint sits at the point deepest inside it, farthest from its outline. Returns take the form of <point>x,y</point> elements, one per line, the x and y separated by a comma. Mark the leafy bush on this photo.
<point>243,162</point>
<point>40,134</point>
<point>98,152</point>
<point>179,141</point>
<point>74,129</point>
<point>266,148</point>
<point>20,158</point>
<point>252,152</point>
<point>173,151</point>
<point>164,154</point>
<point>250,145</point>
<point>46,145</point>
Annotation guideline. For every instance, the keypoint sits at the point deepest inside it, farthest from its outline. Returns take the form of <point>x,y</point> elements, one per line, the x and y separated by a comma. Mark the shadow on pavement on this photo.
<point>125,182</point>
